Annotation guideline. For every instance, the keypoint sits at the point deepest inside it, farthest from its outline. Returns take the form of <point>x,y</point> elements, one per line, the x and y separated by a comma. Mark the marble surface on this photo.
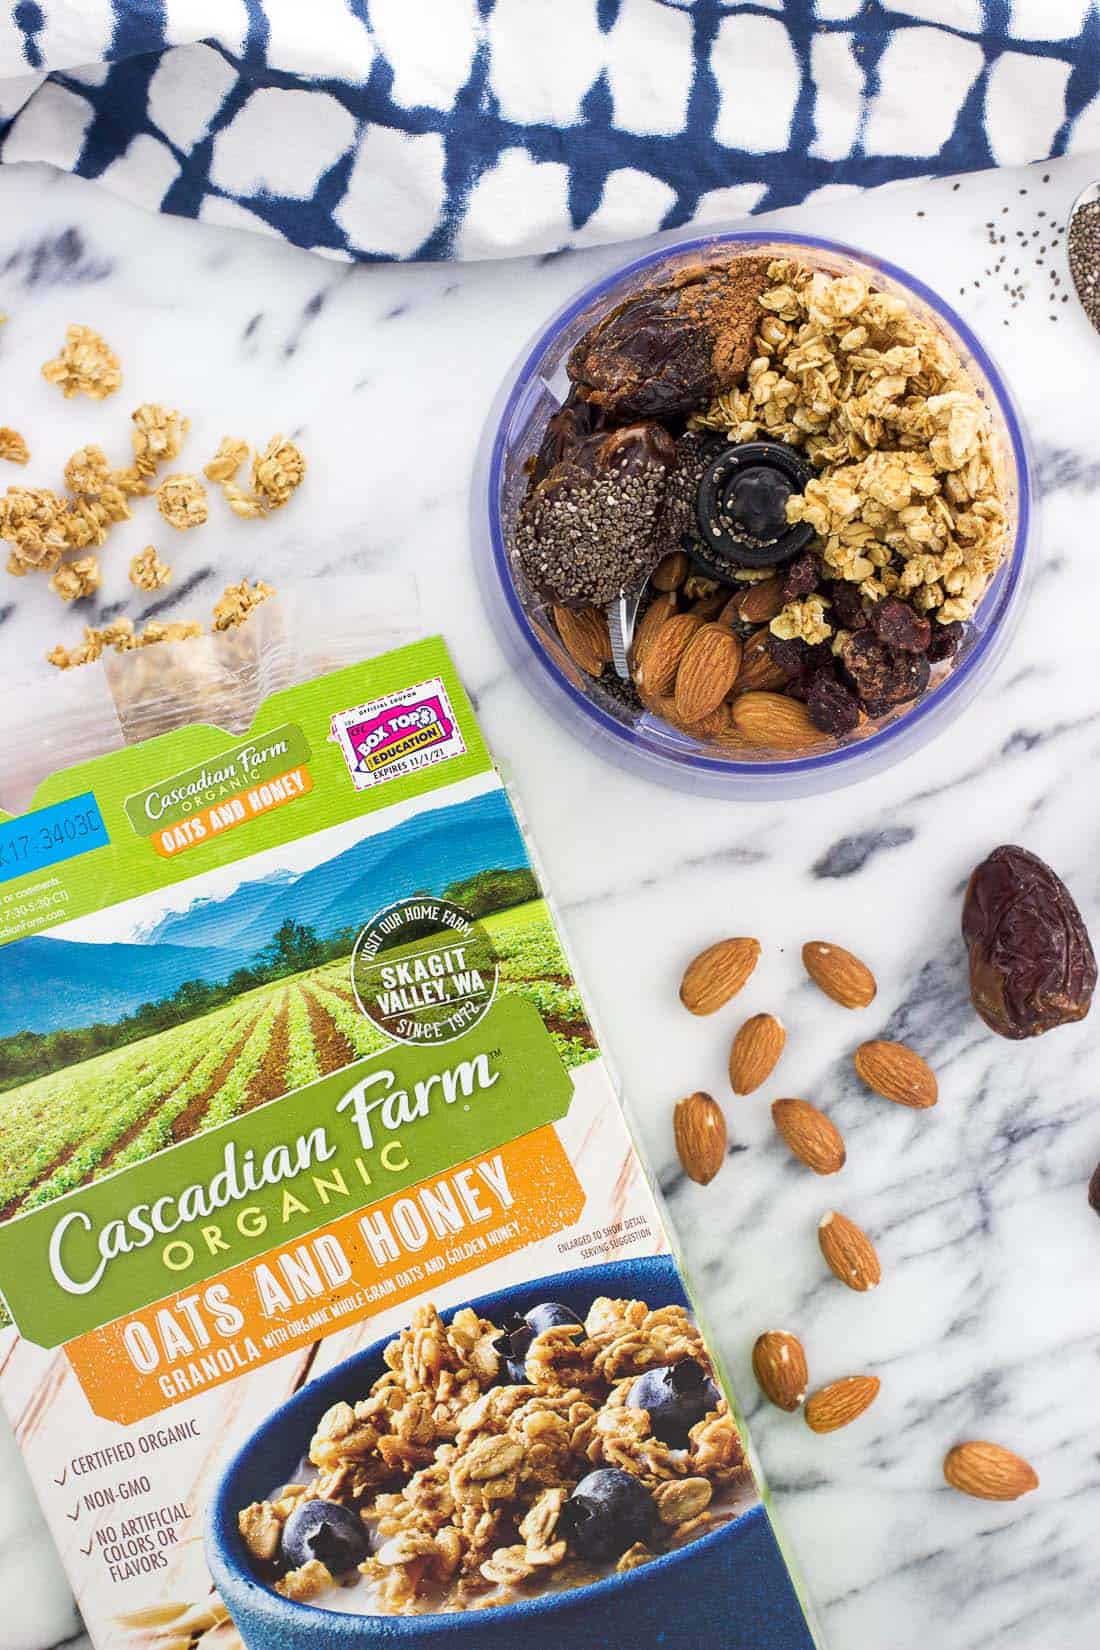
<point>986,1322</point>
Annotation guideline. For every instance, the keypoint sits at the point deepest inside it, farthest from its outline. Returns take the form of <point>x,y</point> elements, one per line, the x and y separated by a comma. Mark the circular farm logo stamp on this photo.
<point>424,970</point>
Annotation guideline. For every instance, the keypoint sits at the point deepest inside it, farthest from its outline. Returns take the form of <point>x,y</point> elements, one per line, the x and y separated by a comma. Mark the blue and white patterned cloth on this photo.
<point>381,129</point>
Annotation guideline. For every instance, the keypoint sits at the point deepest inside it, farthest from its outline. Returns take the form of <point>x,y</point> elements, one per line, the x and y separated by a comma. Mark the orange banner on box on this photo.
<point>343,1273</point>
<point>232,811</point>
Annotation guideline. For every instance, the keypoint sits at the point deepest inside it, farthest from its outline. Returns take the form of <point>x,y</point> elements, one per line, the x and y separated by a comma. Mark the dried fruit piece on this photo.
<point>1094,1190</point>
<point>899,625</point>
<point>717,974</point>
<point>1032,966</point>
<point>699,1127</point>
<point>672,345</point>
<point>84,365</point>
<point>779,1364</point>
<point>755,1052</point>
<point>706,672</point>
<point>841,1402</point>
<point>839,974</point>
<point>670,572</point>
<point>812,1137</point>
<point>771,721</point>
<point>882,676</point>
<point>849,1253</point>
<point>989,1471</point>
<point>832,707</point>
<point>584,634</point>
<point>659,663</point>
<point>897,1073</point>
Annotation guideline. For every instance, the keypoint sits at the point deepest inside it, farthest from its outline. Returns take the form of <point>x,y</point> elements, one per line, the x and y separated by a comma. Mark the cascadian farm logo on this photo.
<point>398,733</point>
<point>424,971</point>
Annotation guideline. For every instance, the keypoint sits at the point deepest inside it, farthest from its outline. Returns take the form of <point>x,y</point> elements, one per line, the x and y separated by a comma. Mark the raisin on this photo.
<point>881,676</point>
<point>946,641</point>
<point>1032,965</point>
<point>788,655</point>
<point>901,626</point>
<point>847,604</point>
<point>800,577</point>
<point>833,707</point>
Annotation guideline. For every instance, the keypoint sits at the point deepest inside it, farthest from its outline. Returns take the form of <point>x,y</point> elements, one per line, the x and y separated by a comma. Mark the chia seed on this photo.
<point>586,543</point>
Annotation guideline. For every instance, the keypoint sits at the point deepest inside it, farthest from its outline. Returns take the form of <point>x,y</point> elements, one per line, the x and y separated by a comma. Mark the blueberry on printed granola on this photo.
<point>609,1511</point>
<point>327,1532</point>
<point>676,1397</point>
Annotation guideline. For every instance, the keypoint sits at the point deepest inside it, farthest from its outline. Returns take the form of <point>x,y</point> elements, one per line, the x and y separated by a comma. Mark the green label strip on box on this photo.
<point>202,1206</point>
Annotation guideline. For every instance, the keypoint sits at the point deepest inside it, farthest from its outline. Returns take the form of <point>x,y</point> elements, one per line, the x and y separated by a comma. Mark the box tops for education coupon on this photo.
<point>338,1308</point>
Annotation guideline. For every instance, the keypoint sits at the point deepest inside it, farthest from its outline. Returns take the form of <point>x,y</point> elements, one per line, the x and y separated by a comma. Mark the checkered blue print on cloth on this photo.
<point>382,129</point>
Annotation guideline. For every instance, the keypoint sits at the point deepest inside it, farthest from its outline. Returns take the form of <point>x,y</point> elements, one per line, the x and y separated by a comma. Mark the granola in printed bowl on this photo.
<point>756,513</point>
<point>512,1456</point>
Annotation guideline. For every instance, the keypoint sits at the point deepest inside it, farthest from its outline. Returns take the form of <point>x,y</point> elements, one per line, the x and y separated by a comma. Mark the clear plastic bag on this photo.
<point>308,628</point>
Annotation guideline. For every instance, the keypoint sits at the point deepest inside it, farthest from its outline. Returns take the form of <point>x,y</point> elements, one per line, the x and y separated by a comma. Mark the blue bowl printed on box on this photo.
<point>729,1590</point>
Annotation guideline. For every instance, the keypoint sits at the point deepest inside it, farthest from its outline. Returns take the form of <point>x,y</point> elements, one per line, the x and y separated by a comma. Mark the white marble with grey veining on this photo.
<point>988,1318</point>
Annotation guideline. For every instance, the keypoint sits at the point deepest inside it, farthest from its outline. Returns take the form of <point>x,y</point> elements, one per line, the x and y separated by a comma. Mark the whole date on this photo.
<point>1032,965</point>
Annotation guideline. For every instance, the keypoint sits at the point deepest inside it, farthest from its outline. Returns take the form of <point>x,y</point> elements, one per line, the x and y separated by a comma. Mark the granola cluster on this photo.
<point>13,446</point>
<point>181,500</point>
<point>463,1479</point>
<point>85,365</point>
<point>277,473</point>
<point>147,571</point>
<point>908,502</point>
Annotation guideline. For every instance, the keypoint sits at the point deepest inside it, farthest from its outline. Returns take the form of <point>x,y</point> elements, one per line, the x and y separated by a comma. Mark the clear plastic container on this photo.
<point>533,391</point>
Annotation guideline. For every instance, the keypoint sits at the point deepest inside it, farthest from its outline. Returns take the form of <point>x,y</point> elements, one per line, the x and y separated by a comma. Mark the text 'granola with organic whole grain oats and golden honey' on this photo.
<point>338,1305</point>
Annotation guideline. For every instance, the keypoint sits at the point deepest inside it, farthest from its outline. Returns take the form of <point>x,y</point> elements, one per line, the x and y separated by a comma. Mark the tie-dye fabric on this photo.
<point>389,129</point>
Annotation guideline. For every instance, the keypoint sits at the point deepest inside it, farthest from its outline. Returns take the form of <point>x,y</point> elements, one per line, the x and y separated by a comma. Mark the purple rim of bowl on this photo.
<point>1001,593</point>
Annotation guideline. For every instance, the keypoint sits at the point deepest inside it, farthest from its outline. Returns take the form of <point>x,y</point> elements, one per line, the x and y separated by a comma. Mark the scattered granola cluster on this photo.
<point>13,447</point>
<point>908,501</point>
<point>85,365</point>
<point>231,609</point>
<point>181,500</point>
<point>277,473</point>
<point>457,1486</point>
<point>147,571</point>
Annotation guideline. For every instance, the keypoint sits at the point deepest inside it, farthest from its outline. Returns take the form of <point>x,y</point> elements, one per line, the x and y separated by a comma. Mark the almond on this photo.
<point>771,721</point>
<point>655,615</point>
<point>712,726</point>
<point>849,1253</point>
<point>706,672</point>
<point>839,974</point>
<point>840,1402</point>
<point>759,671</point>
<point>700,1130</point>
<point>760,602</point>
<point>779,1364</point>
<point>812,1137</point>
<point>717,974</point>
<point>895,1072</point>
<point>756,1048</point>
<point>583,631</point>
<point>660,660</point>
<point>709,606</point>
<point>989,1471</point>
<point>670,572</point>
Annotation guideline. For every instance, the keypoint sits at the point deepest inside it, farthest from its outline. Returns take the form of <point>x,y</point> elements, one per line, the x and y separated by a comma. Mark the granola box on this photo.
<point>338,1308</point>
